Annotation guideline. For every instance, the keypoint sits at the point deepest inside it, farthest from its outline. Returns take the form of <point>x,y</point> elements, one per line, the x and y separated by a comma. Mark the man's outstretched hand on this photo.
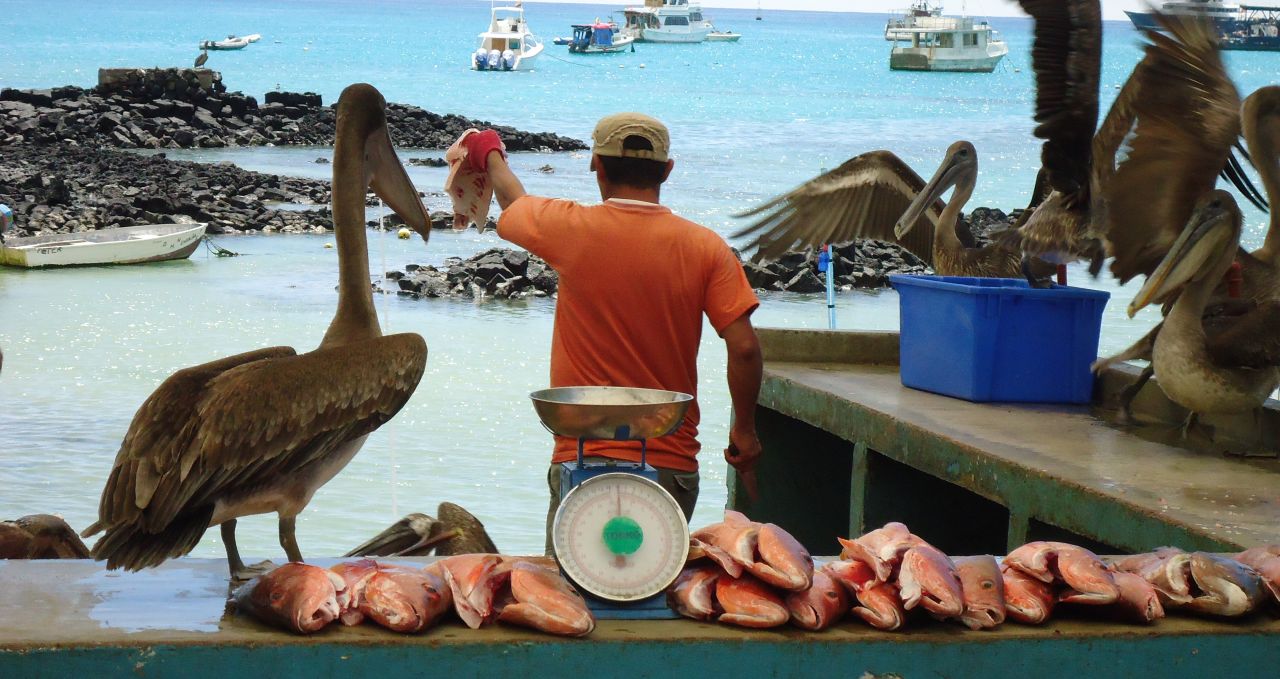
<point>743,453</point>
<point>479,146</point>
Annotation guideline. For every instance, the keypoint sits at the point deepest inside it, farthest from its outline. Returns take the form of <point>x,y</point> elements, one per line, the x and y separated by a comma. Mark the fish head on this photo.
<point>1090,581</point>
<point>1033,559</point>
<point>405,599</point>
<point>928,577</point>
<point>295,596</point>
<point>546,601</point>
<point>473,580</point>
<point>819,606</point>
<point>881,606</point>
<point>1225,586</point>
<point>983,589</point>
<point>1027,599</point>
<point>1138,598</point>
<point>692,594</point>
<point>853,575</point>
<point>785,560</point>
<point>748,602</point>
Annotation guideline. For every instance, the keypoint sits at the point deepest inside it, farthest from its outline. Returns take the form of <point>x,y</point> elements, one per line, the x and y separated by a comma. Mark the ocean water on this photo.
<point>799,93</point>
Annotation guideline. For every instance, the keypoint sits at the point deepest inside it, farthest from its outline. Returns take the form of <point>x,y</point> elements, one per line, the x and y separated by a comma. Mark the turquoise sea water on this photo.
<point>800,92</point>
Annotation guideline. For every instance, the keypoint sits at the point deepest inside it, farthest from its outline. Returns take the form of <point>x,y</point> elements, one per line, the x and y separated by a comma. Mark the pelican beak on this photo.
<point>948,175</point>
<point>1211,231</point>
<point>389,180</point>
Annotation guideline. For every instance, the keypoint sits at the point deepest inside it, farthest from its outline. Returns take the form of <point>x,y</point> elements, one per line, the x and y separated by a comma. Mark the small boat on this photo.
<point>508,45</point>
<point>231,43</point>
<point>122,245</point>
<point>599,38</point>
<point>723,36</point>
<point>932,42</point>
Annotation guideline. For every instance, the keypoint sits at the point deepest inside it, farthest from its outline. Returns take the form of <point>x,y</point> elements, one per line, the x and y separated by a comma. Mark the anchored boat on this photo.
<point>599,38</point>
<point>924,40</point>
<point>666,21</point>
<point>508,45</point>
<point>231,43</point>
<point>123,245</point>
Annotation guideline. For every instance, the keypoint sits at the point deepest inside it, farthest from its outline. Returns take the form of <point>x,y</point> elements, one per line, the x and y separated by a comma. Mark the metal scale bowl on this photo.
<point>618,535</point>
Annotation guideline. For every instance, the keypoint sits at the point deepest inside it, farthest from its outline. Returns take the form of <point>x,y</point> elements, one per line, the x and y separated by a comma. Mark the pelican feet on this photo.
<point>242,573</point>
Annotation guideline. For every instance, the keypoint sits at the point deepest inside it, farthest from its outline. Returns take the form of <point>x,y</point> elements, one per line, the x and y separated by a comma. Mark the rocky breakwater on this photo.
<point>67,189</point>
<point>497,273</point>
<point>191,108</point>
<point>865,263</point>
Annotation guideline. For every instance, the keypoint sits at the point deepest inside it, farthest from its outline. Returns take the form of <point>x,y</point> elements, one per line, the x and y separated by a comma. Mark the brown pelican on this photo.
<point>40,536</point>
<point>1185,129</point>
<point>1235,370</point>
<point>858,199</point>
<point>200,60</point>
<point>457,531</point>
<point>260,431</point>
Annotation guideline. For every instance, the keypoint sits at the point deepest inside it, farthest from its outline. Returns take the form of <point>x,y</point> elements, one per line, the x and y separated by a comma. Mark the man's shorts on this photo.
<point>683,486</point>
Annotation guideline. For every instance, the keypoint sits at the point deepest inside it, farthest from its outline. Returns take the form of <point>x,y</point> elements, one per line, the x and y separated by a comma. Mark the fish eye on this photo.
<point>987,584</point>
<point>276,595</point>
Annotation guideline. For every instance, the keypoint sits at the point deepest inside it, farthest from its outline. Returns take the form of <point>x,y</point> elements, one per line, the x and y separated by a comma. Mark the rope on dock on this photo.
<point>217,250</point>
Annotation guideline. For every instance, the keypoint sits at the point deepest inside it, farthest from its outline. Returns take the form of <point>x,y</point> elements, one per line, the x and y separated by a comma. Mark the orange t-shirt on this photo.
<point>635,280</point>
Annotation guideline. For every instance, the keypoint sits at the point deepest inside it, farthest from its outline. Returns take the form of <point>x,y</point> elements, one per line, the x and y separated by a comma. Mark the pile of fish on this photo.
<point>481,588</point>
<point>756,575</point>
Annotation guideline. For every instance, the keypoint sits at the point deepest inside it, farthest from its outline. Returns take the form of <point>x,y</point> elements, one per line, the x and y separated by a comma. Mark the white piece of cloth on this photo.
<point>470,191</point>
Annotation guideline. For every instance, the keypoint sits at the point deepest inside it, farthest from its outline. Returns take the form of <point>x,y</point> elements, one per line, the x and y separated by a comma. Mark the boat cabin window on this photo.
<point>946,40</point>
<point>695,16</point>
<point>677,21</point>
<point>971,39</point>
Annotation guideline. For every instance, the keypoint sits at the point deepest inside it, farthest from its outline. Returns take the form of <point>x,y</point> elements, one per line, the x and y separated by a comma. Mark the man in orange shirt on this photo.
<point>635,281</point>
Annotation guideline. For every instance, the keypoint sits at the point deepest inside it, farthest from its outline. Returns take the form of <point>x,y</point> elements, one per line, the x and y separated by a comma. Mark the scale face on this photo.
<point>620,537</point>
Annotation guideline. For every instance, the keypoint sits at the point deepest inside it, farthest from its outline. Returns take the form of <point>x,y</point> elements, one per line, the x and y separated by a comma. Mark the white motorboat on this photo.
<point>723,36</point>
<point>122,245</point>
<point>666,21</point>
<point>924,40</point>
<point>231,43</point>
<point>508,45</point>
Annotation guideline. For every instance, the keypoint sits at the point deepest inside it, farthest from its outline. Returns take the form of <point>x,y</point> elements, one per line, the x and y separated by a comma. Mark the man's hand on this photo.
<point>479,146</point>
<point>743,453</point>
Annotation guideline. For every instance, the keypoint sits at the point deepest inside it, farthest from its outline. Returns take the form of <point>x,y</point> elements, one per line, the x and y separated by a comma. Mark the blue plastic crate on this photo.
<point>998,339</point>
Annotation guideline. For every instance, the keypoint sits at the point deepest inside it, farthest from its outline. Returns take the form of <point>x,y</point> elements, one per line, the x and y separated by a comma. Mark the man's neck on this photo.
<point>632,193</point>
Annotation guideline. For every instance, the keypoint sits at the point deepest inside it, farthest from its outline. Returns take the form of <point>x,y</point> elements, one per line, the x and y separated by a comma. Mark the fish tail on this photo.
<point>132,547</point>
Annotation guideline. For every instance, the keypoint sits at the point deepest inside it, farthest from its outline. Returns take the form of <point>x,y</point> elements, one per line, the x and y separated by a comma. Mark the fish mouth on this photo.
<point>313,615</point>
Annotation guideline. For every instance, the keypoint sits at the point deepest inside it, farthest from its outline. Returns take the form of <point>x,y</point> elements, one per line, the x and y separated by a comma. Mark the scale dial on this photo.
<point>620,537</point>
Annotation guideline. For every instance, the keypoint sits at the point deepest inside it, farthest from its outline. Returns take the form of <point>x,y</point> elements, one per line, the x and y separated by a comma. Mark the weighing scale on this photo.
<point>619,537</point>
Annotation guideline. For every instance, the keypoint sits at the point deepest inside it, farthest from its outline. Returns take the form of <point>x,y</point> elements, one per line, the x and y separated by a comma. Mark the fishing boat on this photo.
<point>122,245</point>
<point>599,38</point>
<point>231,43</point>
<point>666,21</point>
<point>1258,30</point>
<point>508,45</point>
<point>925,40</point>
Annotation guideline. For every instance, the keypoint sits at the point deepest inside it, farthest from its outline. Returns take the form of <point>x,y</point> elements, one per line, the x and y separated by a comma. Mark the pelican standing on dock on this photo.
<point>261,431</point>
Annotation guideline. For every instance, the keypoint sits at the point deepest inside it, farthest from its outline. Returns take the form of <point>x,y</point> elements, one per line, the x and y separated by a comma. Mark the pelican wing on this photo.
<point>1187,119</point>
<point>263,421</point>
<point>1250,341</point>
<point>1067,58</point>
<point>863,198</point>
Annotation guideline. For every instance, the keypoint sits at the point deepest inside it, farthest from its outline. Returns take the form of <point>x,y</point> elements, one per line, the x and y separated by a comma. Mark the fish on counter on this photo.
<point>881,549</point>
<point>927,578</point>
<point>1167,569</point>
<point>1027,599</point>
<point>474,580</point>
<point>982,587</point>
<point>1078,575</point>
<point>693,593</point>
<point>1139,601</point>
<point>765,550</point>
<point>1265,560</point>
<point>878,603</point>
<point>355,576</point>
<point>543,600</point>
<point>748,602</point>
<point>1227,588</point>
<point>296,596</point>
<point>405,598</point>
<point>820,606</point>
<point>40,536</point>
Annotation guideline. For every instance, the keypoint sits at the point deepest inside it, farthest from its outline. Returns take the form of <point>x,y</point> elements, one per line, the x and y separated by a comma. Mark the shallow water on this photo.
<point>85,347</point>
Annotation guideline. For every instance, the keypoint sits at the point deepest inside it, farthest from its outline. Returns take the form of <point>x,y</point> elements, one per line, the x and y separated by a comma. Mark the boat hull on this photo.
<point>126,245</point>
<point>1147,20</point>
<point>659,35</point>
<point>921,60</point>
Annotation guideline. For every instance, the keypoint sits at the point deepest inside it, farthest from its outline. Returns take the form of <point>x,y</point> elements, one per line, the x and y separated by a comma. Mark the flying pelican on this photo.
<point>200,60</point>
<point>261,431</point>
<point>859,198</point>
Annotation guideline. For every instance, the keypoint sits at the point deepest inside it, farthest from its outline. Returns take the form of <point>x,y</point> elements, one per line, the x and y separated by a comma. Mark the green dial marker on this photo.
<point>622,535</point>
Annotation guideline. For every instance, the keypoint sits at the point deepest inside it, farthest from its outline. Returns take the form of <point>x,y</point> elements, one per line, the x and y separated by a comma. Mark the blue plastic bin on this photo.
<point>998,339</point>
